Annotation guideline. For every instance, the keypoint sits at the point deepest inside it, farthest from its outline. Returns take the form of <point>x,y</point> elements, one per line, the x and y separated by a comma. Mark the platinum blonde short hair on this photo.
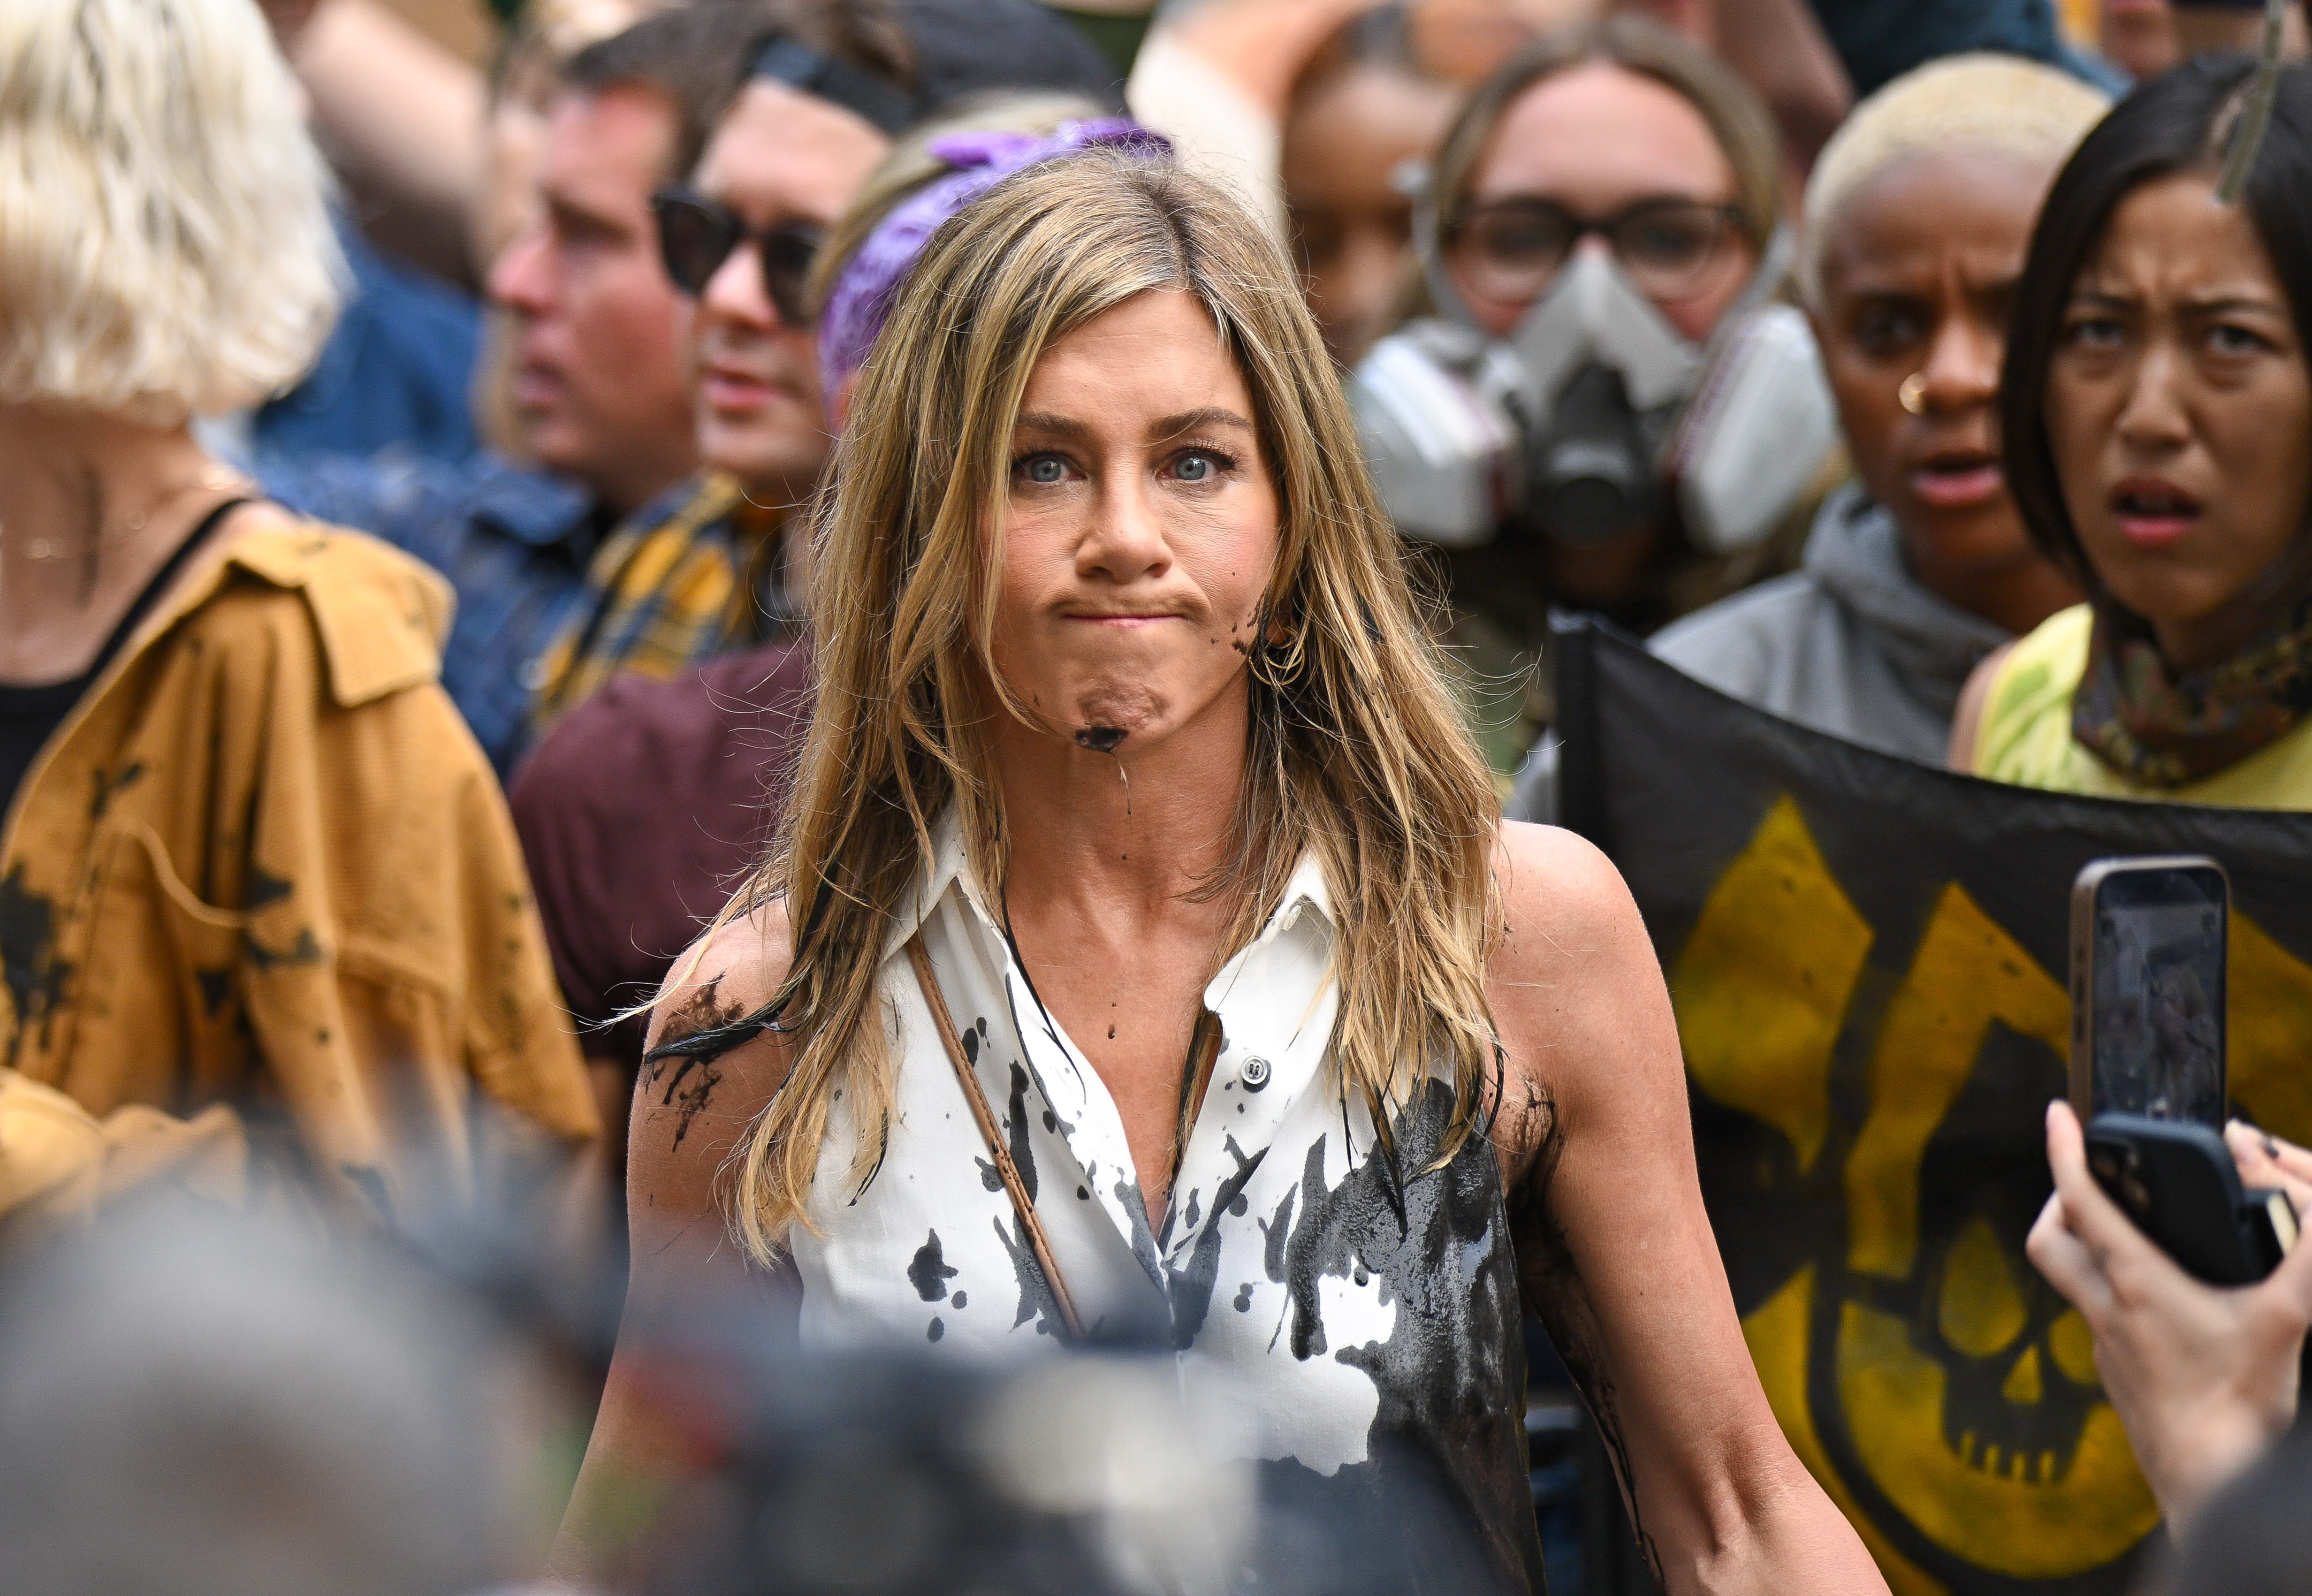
<point>1970,102</point>
<point>165,246</point>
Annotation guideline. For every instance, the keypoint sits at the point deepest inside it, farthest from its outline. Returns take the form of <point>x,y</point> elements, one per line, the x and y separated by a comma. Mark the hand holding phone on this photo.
<point>2177,1181</point>
<point>2203,1378</point>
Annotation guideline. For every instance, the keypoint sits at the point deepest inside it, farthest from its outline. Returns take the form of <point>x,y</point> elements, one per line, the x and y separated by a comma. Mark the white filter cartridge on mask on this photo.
<point>1755,434</point>
<point>1440,445</point>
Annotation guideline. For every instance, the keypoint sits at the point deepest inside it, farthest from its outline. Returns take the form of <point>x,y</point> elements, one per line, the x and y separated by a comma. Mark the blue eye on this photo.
<point>1044,470</point>
<point>1195,469</point>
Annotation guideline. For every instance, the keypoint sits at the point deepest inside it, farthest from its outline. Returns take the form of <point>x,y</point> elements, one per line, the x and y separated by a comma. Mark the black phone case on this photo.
<point>2085,893</point>
<point>2177,1181</point>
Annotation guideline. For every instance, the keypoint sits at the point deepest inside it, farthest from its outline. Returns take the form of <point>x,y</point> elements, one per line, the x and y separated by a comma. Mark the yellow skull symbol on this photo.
<point>1919,1365</point>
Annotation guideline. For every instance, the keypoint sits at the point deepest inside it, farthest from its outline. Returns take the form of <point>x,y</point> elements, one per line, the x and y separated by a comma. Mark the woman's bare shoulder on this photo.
<point>714,1067</point>
<point>731,971</point>
<point>1563,902</point>
<point>1576,990</point>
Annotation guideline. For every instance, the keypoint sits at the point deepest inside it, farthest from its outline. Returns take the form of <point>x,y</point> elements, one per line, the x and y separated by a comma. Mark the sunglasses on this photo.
<point>1510,249</point>
<point>696,236</point>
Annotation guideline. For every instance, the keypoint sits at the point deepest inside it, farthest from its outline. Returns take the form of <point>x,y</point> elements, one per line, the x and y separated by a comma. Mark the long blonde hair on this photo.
<point>1355,751</point>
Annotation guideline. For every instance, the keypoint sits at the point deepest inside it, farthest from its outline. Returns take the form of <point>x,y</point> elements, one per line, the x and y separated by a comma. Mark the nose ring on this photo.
<point>1913,393</point>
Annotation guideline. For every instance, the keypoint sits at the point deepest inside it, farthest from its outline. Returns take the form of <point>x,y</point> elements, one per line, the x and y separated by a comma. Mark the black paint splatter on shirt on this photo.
<point>1451,1375</point>
<point>1192,1286</point>
<point>1036,1299</point>
<point>930,1271</point>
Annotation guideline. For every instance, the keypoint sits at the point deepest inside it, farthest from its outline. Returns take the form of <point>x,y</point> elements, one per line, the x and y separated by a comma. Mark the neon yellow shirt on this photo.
<point>2026,734</point>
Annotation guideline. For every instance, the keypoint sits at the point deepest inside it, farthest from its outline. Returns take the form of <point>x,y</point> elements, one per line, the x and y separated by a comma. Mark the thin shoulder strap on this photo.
<point>1030,1225</point>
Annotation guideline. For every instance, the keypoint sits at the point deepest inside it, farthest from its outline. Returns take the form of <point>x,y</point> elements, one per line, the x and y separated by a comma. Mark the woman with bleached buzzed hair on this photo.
<point>1917,217</point>
<point>261,909</point>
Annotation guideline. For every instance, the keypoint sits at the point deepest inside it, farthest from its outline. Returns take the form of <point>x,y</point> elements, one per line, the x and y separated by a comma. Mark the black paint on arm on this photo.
<point>683,1069</point>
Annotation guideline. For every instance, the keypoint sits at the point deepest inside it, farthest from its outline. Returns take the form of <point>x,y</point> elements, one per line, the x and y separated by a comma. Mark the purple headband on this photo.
<point>861,301</point>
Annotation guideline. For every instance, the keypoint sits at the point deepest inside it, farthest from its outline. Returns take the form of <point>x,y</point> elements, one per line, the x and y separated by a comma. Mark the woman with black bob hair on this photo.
<point>2156,412</point>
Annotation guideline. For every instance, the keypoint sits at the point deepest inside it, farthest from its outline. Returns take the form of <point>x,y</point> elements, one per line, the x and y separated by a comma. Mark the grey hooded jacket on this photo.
<point>1851,644</point>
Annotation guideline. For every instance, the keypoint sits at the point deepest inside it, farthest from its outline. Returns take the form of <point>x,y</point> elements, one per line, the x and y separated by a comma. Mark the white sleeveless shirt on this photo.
<point>1356,1313</point>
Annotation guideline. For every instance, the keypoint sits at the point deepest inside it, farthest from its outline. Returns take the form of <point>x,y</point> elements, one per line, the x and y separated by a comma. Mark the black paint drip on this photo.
<point>1191,1288</point>
<point>931,1272</point>
<point>1036,1299</point>
<point>1015,1126</point>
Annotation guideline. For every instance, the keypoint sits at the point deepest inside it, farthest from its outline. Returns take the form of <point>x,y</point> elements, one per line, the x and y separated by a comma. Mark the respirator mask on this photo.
<point>1594,415</point>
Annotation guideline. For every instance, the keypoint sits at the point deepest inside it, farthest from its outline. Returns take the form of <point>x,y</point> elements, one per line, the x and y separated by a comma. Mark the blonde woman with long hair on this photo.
<point>1143,956</point>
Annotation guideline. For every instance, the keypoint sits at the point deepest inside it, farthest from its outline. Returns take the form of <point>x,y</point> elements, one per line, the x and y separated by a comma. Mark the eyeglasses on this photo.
<point>696,236</point>
<point>1508,250</point>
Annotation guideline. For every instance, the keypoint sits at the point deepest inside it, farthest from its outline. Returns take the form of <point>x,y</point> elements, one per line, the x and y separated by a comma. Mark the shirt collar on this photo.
<point>950,865</point>
<point>533,507</point>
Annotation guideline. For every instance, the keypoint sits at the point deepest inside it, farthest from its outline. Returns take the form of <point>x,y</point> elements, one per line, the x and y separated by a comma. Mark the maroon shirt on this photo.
<point>642,811</point>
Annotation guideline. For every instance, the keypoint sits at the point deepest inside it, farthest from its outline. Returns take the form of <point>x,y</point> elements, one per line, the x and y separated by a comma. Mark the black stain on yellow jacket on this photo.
<point>37,982</point>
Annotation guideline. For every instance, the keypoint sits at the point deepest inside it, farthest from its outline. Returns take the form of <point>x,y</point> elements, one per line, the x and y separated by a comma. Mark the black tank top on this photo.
<point>30,715</point>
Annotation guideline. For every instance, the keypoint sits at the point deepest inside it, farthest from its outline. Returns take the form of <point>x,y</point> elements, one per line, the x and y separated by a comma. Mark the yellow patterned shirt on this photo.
<point>697,573</point>
<point>2025,735</point>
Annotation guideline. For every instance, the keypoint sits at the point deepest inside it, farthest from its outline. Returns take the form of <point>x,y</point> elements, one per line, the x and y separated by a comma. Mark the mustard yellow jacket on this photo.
<point>261,905</point>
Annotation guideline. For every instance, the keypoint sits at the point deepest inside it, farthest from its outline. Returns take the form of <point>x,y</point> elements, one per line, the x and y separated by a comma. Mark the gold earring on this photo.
<point>1277,661</point>
<point>1913,393</point>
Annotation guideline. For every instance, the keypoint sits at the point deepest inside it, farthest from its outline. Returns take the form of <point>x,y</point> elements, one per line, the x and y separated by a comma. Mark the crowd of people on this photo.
<point>883,669</point>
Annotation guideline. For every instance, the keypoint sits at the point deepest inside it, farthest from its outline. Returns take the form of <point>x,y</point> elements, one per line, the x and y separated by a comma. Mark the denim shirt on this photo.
<point>395,373</point>
<point>513,541</point>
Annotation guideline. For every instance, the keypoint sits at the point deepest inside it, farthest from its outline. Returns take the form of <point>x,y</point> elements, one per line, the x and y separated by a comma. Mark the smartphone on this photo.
<point>2177,1183</point>
<point>2148,944</point>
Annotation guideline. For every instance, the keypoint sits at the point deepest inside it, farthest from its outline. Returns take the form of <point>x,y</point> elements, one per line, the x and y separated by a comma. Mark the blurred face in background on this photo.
<point>2179,415</point>
<point>1919,269</point>
<point>1594,145</point>
<point>779,159</point>
<point>1347,140</point>
<point>595,377</point>
<point>2138,36</point>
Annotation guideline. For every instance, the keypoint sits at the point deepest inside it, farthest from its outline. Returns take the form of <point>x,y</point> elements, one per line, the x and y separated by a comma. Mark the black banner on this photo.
<point>1866,957</point>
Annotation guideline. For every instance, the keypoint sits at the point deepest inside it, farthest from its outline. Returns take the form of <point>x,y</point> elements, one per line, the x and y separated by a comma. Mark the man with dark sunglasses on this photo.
<point>828,86</point>
<point>597,388</point>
